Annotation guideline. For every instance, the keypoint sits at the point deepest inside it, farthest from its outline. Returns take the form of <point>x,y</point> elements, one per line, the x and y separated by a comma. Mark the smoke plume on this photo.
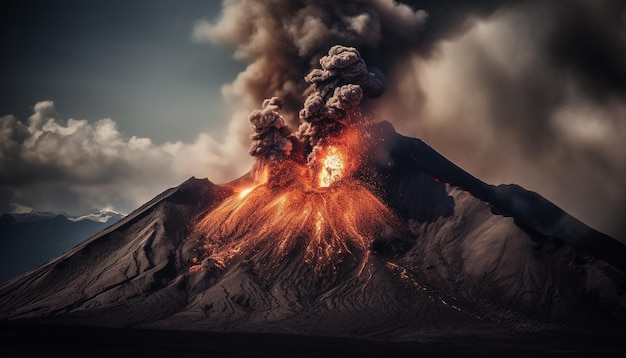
<point>338,88</point>
<point>284,40</point>
<point>271,138</point>
<point>532,94</point>
<point>336,93</point>
<point>513,91</point>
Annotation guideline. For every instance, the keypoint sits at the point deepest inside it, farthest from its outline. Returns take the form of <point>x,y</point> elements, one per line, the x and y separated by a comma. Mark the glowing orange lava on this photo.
<point>323,229</point>
<point>245,191</point>
<point>260,176</point>
<point>316,213</point>
<point>333,167</point>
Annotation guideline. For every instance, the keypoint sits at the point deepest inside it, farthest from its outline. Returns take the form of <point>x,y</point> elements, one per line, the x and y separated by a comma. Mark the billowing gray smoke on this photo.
<point>283,40</point>
<point>338,88</point>
<point>271,138</point>
<point>336,93</point>
<point>514,91</point>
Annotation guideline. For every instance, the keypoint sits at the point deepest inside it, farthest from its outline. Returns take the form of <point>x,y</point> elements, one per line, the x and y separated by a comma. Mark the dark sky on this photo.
<point>106,104</point>
<point>132,61</point>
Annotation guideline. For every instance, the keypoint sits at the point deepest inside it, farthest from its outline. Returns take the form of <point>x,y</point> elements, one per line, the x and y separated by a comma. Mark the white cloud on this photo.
<point>93,165</point>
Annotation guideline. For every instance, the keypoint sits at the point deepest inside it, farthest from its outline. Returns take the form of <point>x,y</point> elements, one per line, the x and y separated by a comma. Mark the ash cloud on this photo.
<point>587,39</point>
<point>514,91</point>
<point>50,164</point>
<point>272,138</point>
<point>284,40</point>
<point>337,90</point>
<point>532,95</point>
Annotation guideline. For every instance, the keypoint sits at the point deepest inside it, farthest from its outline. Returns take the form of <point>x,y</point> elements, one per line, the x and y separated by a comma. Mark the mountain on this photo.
<point>28,240</point>
<point>407,247</point>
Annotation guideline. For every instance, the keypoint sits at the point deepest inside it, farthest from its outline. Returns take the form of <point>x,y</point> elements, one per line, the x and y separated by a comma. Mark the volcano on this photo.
<point>342,229</point>
<point>407,245</point>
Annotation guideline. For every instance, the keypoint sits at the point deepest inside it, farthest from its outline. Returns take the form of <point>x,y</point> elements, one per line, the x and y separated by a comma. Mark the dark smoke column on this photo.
<point>272,139</point>
<point>337,90</point>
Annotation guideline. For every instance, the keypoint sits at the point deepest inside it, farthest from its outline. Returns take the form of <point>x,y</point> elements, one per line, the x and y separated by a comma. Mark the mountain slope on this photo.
<point>410,244</point>
<point>530,210</point>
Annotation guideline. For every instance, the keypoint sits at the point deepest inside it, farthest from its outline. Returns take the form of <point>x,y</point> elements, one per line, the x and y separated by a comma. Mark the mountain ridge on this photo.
<point>514,201</point>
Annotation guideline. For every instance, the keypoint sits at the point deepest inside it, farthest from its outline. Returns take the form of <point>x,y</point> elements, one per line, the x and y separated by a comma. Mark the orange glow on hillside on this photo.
<point>260,177</point>
<point>324,228</point>
<point>315,213</point>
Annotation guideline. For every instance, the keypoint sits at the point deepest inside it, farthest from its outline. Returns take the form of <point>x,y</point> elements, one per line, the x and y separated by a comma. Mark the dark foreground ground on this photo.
<point>19,339</point>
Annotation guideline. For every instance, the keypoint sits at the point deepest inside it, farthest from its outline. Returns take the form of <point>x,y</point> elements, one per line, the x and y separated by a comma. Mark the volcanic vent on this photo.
<point>343,227</point>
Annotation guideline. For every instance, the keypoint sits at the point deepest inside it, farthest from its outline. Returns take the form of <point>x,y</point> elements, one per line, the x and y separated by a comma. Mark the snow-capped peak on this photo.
<point>101,216</point>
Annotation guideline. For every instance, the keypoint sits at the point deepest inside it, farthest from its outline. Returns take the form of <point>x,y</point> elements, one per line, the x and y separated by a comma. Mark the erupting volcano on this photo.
<point>312,210</point>
<point>342,228</point>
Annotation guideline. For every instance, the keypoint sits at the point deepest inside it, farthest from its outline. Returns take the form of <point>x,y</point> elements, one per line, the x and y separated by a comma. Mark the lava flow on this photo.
<point>332,224</point>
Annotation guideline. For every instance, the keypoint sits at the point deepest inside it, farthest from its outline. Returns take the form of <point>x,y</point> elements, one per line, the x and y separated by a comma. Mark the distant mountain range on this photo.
<point>28,240</point>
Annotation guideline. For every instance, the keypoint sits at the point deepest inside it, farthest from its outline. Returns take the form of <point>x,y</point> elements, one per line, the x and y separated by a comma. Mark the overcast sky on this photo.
<point>108,103</point>
<point>132,61</point>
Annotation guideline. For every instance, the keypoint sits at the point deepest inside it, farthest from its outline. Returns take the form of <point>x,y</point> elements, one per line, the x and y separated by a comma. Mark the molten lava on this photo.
<point>260,175</point>
<point>332,167</point>
<point>316,213</point>
<point>324,228</point>
<point>337,158</point>
<point>321,228</point>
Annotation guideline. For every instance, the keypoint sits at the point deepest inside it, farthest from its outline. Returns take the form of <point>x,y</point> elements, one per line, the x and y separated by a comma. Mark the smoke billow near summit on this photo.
<point>505,89</point>
<point>304,199</point>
